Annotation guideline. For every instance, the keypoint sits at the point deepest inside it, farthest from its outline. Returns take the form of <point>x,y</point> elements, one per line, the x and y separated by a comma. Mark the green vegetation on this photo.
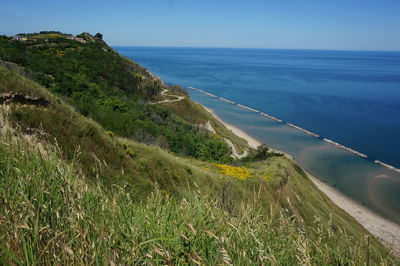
<point>120,161</point>
<point>50,214</point>
<point>111,90</point>
<point>74,192</point>
<point>194,114</point>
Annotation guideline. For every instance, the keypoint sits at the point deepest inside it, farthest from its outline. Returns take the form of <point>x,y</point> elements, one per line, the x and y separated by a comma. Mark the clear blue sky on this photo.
<point>297,24</point>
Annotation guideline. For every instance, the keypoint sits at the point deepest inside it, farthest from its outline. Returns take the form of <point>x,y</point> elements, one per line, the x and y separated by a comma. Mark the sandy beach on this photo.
<point>253,143</point>
<point>385,230</point>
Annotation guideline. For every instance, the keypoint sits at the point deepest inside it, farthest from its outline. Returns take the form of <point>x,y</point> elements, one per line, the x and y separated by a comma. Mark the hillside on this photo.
<point>109,89</point>
<point>74,192</point>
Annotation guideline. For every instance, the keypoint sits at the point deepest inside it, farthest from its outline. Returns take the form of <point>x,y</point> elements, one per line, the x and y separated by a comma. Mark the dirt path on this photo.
<point>234,151</point>
<point>178,98</point>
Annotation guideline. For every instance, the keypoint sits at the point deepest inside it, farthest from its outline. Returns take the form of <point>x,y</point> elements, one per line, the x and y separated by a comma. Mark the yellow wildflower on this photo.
<point>234,171</point>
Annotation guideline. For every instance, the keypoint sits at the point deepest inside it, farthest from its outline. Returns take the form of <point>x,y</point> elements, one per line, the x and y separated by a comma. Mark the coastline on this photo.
<point>336,144</point>
<point>253,143</point>
<point>385,230</point>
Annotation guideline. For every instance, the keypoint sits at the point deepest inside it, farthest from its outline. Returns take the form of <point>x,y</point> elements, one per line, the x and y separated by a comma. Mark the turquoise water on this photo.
<point>350,97</point>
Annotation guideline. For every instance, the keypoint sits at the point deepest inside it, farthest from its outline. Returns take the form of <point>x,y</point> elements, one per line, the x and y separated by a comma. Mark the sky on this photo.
<point>277,24</point>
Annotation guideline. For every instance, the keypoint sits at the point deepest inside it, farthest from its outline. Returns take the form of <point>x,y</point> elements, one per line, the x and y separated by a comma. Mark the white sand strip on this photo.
<point>387,231</point>
<point>253,143</point>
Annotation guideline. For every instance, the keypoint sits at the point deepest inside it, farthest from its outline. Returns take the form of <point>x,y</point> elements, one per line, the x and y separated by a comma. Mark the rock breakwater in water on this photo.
<point>338,145</point>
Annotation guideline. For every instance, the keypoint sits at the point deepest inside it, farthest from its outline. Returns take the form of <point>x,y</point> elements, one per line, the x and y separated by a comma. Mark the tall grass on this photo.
<point>49,214</point>
<point>96,198</point>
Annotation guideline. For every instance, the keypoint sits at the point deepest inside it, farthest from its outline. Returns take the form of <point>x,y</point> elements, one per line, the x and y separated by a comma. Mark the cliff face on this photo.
<point>79,182</point>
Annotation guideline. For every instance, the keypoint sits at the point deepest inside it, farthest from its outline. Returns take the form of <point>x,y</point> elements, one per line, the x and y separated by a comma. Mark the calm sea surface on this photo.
<point>351,97</point>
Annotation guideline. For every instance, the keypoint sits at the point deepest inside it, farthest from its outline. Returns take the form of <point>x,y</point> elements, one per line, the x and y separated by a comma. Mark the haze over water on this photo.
<point>351,97</point>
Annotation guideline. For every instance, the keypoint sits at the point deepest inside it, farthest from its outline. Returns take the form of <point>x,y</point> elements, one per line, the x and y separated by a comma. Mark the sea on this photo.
<point>349,97</point>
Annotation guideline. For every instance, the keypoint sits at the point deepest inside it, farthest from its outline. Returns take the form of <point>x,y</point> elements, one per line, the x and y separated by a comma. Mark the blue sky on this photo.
<point>287,24</point>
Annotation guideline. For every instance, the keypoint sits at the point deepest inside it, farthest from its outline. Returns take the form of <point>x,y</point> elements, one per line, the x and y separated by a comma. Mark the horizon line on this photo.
<point>254,48</point>
<point>258,48</point>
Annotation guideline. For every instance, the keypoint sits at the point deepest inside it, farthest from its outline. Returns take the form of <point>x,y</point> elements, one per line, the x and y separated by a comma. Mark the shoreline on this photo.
<point>383,229</point>
<point>310,133</point>
<point>253,143</point>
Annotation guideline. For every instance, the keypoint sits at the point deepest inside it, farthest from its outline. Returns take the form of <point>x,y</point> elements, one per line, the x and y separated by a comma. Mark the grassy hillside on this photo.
<point>52,215</point>
<point>110,89</point>
<point>73,192</point>
<point>91,172</point>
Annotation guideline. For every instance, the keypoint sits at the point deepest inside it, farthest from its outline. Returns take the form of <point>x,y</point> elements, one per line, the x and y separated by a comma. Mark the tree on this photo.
<point>99,35</point>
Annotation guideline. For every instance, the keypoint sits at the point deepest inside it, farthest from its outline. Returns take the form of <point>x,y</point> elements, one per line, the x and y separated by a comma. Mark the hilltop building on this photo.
<point>19,38</point>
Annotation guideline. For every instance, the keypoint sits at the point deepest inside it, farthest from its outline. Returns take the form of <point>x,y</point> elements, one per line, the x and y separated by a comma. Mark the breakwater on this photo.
<point>226,100</point>
<point>387,166</point>
<point>271,117</point>
<point>248,108</point>
<point>304,130</point>
<point>259,112</point>
<point>206,93</point>
<point>346,148</point>
<point>362,155</point>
